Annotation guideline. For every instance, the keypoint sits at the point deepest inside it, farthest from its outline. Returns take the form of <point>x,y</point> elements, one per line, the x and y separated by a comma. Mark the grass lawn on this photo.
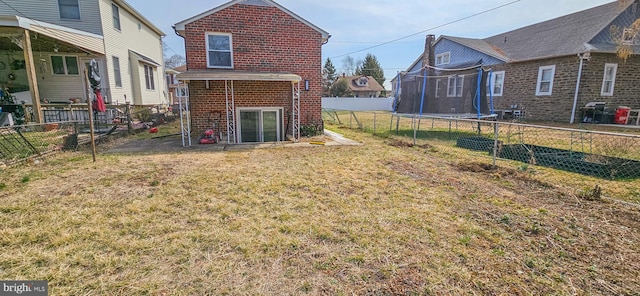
<point>379,219</point>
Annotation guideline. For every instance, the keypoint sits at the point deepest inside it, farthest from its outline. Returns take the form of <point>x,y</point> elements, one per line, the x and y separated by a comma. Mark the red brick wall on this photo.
<point>265,39</point>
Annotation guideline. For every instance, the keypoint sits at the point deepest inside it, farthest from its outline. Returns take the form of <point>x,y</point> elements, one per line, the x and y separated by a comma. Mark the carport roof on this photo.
<point>191,75</point>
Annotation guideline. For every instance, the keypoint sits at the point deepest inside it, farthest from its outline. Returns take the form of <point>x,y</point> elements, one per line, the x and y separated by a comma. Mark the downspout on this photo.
<point>575,98</point>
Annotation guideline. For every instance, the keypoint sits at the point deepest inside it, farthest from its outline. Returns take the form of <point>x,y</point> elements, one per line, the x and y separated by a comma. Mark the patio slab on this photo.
<point>174,144</point>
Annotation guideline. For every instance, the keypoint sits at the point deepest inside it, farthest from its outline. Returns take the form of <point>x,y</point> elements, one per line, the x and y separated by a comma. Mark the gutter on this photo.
<point>582,57</point>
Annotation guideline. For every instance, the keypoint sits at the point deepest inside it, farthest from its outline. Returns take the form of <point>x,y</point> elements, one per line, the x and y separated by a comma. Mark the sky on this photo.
<point>357,25</point>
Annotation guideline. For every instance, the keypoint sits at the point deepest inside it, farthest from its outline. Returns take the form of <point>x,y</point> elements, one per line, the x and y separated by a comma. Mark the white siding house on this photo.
<point>46,45</point>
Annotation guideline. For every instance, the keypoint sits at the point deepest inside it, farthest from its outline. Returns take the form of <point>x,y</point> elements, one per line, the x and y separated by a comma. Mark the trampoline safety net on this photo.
<point>453,92</point>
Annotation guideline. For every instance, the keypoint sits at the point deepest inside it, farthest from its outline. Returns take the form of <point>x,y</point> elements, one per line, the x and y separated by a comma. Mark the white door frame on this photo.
<point>279,117</point>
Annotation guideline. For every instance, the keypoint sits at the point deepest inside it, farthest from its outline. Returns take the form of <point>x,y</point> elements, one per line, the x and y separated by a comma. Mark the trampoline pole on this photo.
<point>415,133</point>
<point>424,89</point>
<point>478,106</point>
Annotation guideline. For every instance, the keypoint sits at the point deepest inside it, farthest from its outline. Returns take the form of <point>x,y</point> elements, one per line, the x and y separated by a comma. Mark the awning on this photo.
<point>89,43</point>
<point>83,40</point>
<point>143,58</point>
<point>236,76</point>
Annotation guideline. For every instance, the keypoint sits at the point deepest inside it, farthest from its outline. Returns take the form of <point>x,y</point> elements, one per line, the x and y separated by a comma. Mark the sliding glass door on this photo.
<point>260,125</point>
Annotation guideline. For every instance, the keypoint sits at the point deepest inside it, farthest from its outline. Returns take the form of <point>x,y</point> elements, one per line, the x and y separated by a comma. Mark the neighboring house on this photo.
<point>363,86</point>
<point>537,69</point>
<point>173,83</point>
<point>256,67</point>
<point>46,45</point>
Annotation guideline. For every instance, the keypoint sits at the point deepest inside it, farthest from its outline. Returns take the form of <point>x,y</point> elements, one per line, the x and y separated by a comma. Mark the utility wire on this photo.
<point>430,29</point>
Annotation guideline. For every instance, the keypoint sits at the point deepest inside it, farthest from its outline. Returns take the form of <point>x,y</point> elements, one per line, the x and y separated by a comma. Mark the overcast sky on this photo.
<point>355,25</point>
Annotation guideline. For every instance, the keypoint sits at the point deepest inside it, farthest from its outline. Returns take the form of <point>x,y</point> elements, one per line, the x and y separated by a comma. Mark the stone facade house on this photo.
<point>550,70</point>
<point>253,70</point>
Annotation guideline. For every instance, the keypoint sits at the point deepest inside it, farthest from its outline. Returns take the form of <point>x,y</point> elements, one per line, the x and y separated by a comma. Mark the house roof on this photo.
<point>137,14</point>
<point>565,35</point>
<point>181,69</point>
<point>583,31</point>
<point>215,74</point>
<point>180,26</point>
<point>479,45</point>
<point>372,84</point>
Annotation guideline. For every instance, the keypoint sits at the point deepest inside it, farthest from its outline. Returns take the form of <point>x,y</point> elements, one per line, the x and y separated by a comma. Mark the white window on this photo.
<point>116,16</point>
<point>545,80</point>
<point>69,9</point>
<point>219,51</point>
<point>443,58</point>
<point>64,65</point>
<point>148,77</point>
<point>609,80</point>
<point>628,36</point>
<point>496,83</point>
<point>455,86</point>
<point>437,88</point>
<point>116,72</point>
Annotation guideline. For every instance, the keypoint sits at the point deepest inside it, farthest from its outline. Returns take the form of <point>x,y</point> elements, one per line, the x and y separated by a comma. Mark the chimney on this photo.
<point>428,55</point>
<point>344,75</point>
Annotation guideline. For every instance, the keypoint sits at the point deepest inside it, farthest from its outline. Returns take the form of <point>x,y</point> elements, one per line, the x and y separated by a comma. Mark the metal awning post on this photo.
<point>295,114</point>
<point>231,114</point>
<point>185,117</point>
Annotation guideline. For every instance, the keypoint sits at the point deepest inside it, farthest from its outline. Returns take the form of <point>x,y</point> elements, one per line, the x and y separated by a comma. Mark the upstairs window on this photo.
<point>609,80</point>
<point>443,58</point>
<point>545,80</point>
<point>363,81</point>
<point>219,51</point>
<point>115,10</point>
<point>64,65</point>
<point>69,9</point>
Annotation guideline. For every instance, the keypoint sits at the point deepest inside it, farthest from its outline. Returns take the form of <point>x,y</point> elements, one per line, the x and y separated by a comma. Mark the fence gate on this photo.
<point>14,146</point>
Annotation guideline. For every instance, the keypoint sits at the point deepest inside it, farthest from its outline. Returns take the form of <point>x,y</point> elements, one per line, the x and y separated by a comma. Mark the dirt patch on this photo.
<point>497,171</point>
<point>405,144</point>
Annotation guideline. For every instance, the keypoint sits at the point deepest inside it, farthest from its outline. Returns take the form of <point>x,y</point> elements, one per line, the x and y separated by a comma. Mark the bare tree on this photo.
<point>174,61</point>
<point>349,65</point>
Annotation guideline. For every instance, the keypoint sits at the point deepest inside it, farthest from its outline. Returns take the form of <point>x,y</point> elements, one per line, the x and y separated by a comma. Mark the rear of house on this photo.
<point>253,71</point>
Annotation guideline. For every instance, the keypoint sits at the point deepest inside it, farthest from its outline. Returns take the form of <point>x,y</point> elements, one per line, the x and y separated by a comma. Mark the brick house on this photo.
<point>253,70</point>
<point>550,70</point>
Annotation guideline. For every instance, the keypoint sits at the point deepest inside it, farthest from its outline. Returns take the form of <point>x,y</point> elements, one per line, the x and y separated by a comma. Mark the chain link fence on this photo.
<point>23,142</point>
<point>594,153</point>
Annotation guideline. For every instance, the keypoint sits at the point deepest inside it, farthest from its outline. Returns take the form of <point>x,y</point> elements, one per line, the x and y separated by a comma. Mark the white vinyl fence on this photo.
<point>358,104</point>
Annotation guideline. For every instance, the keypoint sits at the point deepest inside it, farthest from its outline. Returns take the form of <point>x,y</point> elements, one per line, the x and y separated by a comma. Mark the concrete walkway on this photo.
<point>174,144</point>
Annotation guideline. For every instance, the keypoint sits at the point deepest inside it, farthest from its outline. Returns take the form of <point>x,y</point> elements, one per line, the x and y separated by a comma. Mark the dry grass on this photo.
<point>386,218</point>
